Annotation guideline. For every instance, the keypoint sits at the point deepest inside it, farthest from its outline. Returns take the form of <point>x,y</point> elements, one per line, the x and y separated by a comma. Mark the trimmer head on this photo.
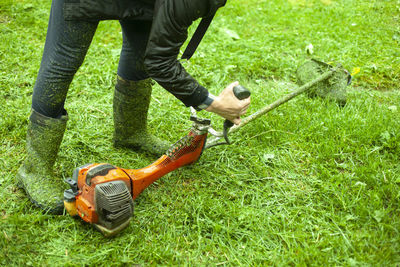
<point>333,88</point>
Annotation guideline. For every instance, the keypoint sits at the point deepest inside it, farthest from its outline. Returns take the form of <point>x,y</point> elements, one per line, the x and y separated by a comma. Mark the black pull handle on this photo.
<point>241,93</point>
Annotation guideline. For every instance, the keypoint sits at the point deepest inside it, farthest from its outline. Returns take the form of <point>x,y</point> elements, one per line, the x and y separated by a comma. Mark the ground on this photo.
<point>309,184</point>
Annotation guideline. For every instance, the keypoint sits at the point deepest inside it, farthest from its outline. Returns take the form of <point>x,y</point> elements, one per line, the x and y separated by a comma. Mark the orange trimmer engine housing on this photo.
<point>102,194</point>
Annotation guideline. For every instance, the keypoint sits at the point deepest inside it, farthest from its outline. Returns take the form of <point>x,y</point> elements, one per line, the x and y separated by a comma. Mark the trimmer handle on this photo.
<point>241,93</point>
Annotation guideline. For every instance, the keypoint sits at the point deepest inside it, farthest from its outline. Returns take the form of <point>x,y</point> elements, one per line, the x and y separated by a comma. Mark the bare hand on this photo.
<point>228,106</point>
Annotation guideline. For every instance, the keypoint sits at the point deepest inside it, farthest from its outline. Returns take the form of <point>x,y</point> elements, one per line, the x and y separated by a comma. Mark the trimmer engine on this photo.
<point>103,194</point>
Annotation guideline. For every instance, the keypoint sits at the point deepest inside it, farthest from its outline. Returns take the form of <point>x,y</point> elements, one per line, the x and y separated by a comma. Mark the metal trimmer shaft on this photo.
<point>217,140</point>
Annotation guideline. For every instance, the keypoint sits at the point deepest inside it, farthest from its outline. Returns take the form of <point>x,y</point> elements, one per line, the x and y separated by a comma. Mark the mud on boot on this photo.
<point>36,175</point>
<point>130,106</point>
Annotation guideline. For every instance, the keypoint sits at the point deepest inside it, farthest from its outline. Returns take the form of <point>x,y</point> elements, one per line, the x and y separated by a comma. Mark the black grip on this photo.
<point>241,92</point>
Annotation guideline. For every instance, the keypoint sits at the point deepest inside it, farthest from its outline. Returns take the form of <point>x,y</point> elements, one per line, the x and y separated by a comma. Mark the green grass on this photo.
<point>308,184</point>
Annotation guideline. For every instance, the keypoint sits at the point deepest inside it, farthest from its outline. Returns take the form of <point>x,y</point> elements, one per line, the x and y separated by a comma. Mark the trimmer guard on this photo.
<point>333,88</point>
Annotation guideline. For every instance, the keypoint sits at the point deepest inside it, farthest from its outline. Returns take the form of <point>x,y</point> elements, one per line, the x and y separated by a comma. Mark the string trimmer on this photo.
<point>102,194</point>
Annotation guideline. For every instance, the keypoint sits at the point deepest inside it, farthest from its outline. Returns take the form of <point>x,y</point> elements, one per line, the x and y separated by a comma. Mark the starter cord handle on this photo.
<point>241,93</point>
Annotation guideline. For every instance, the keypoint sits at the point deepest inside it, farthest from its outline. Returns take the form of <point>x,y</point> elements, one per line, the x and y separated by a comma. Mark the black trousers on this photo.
<point>65,48</point>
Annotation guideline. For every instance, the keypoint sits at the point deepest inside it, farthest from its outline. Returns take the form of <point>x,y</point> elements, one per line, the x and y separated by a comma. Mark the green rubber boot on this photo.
<point>36,175</point>
<point>131,104</point>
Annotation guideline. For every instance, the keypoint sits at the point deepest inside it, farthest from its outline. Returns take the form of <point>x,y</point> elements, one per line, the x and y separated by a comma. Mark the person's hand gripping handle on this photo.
<point>241,93</point>
<point>230,104</point>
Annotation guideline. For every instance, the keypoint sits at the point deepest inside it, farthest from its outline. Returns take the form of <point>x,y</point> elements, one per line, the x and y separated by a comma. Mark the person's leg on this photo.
<point>65,48</point>
<point>132,92</point>
<point>66,45</point>
<point>135,35</point>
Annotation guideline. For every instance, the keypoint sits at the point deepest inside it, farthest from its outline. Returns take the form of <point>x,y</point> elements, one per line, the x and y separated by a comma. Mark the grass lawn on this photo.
<point>308,184</point>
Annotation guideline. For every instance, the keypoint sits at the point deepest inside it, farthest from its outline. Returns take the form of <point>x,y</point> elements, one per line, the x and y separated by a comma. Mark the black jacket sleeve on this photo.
<point>171,20</point>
